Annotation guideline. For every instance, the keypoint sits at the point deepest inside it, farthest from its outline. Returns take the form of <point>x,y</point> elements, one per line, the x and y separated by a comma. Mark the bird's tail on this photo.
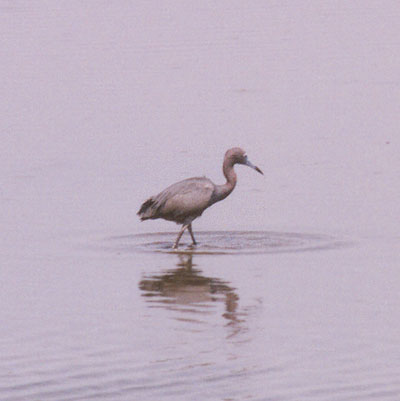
<point>146,210</point>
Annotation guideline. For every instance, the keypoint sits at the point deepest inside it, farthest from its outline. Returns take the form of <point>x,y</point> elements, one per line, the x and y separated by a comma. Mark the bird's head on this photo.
<point>239,156</point>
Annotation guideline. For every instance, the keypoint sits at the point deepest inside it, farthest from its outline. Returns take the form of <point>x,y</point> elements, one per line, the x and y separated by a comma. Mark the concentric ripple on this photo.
<point>228,242</point>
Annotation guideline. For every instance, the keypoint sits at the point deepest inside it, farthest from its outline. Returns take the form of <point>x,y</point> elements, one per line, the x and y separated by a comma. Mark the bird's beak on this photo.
<point>248,163</point>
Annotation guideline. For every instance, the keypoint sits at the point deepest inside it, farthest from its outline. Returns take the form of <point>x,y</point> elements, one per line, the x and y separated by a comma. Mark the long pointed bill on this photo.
<point>248,163</point>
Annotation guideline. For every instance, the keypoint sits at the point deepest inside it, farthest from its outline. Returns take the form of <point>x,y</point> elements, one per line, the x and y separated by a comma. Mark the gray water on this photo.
<point>293,290</point>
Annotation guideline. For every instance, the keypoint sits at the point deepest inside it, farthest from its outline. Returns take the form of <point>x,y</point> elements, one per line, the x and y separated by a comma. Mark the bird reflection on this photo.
<point>187,290</point>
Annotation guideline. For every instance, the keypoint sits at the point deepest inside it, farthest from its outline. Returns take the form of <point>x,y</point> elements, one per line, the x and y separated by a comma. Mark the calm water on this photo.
<point>293,291</point>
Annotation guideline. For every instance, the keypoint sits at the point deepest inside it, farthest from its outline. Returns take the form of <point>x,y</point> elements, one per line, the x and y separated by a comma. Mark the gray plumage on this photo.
<point>186,200</point>
<point>180,202</point>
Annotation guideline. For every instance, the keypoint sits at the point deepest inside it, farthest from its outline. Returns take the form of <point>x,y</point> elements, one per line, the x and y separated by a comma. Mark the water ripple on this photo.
<point>227,242</point>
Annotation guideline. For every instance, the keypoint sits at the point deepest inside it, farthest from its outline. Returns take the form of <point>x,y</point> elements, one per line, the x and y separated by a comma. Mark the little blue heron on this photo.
<point>186,200</point>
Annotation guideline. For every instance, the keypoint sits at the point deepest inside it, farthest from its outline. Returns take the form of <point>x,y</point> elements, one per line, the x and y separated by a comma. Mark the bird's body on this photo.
<point>181,202</point>
<point>186,200</point>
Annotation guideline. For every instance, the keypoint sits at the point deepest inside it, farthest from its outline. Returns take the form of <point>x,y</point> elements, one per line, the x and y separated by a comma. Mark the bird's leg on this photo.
<point>191,234</point>
<point>184,227</point>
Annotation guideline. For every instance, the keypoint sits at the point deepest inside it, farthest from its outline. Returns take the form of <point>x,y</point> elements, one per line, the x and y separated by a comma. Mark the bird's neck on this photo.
<point>224,190</point>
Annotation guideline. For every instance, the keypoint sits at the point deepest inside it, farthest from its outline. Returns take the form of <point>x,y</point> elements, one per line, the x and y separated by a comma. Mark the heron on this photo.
<point>186,200</point>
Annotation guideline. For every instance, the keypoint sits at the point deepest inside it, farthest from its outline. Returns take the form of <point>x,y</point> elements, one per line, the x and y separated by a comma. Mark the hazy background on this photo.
<point>155,92</point>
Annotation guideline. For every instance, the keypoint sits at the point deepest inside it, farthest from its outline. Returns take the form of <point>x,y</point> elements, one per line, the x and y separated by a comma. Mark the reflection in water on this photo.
<point>185,289</point>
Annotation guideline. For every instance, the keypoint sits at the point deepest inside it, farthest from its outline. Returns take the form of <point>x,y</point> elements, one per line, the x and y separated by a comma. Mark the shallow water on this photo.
<point>116,323</point>
<point>293,290</point>
<point>227,242</point>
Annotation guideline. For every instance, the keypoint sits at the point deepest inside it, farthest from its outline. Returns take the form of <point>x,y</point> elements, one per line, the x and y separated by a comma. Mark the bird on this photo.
<point>186,200</point>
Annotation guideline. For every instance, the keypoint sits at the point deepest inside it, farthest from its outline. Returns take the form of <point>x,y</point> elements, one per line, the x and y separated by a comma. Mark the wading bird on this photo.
<point>186,200</point>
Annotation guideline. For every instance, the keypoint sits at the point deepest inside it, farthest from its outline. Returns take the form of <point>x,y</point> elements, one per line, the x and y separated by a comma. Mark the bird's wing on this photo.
<point>184,199</point>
